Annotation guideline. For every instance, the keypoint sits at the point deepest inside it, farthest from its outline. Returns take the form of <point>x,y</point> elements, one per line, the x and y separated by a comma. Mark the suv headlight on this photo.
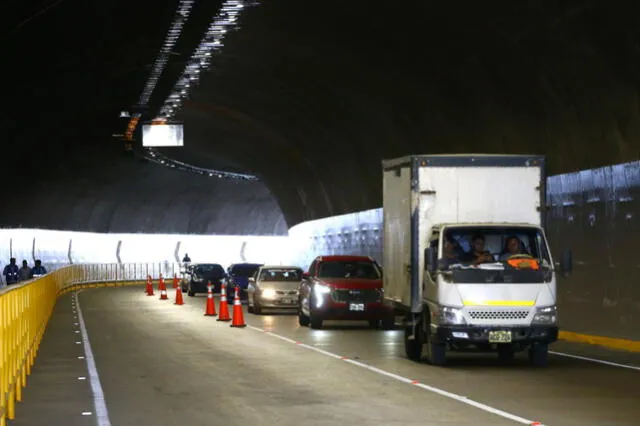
<point>545,315</point>
<point>451,316</point>
<point>320,290</point>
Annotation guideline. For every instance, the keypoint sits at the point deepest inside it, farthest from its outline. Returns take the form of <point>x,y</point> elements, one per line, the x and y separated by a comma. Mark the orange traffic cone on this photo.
<point>175,281</point>
<point>224,306</point>
<point>238,316</point>
<point>179,300</point>
<point>163,289</point>
<point>211,306</point>
<point>149,287</point>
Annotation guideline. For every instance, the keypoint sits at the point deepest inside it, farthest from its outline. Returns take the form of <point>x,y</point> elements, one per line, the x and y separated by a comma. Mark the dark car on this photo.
<point>343,288</point>
<point>200,275</point>
<point>238,274</point>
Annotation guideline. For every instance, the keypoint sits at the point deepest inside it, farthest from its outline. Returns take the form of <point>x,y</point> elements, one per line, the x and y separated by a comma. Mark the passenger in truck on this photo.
<point>478,254</point>
<point>450,252</point>
<point>512,247</point>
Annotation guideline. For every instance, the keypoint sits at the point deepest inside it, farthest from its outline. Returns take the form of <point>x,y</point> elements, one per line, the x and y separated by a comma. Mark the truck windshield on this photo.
<point>503,254</point>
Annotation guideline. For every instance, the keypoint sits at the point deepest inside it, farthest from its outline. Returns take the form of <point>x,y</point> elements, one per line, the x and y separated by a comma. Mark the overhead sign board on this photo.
<point>159,135</point>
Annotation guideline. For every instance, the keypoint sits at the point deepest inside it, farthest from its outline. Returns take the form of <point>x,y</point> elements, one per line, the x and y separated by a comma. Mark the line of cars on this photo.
<point>197,277</point>
<point>334,288</point>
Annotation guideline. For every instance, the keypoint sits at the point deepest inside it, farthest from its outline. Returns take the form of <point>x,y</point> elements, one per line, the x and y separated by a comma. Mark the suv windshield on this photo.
<point>519,252</point>
<point>349,269</point>
<point>281,275</point>
<point>244,270</point>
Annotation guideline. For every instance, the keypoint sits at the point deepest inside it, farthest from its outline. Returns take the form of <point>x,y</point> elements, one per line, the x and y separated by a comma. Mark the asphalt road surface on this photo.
<point>162,364</point>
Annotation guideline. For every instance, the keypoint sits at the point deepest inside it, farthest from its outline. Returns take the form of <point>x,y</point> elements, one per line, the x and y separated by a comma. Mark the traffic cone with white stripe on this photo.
<point>163,289</point>
<point>224,305</point>
<point>149,288</point>
<point>175,281</point>
<point>179,300</point>
<point>238,315</point>
<point>211,306</point>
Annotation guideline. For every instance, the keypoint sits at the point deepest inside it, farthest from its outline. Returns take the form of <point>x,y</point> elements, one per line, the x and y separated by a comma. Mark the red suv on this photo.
<point>343,288</point>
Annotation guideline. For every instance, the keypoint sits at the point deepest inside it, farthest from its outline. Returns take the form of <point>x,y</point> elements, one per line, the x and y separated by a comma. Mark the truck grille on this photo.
<point>498,314</point>
<point>361,296</point>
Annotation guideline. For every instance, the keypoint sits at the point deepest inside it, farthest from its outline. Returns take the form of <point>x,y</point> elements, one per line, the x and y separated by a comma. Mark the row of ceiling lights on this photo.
<point>201,59</point>
<point>225,20</point>
<point>182,14</point>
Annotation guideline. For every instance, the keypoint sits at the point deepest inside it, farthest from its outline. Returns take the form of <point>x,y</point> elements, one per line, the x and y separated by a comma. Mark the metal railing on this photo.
<point>101,272</point>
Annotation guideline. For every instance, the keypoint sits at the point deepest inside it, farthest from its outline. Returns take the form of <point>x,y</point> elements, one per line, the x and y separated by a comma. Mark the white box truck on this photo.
<point>465,255</point>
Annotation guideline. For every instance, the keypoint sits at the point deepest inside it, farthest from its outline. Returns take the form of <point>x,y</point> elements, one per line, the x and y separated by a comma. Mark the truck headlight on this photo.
<point>545,315</point>
<point>451,316</point>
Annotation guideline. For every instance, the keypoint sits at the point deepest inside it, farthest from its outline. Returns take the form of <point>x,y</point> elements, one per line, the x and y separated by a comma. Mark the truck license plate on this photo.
<point>500,336</point>
<point>358,307</point>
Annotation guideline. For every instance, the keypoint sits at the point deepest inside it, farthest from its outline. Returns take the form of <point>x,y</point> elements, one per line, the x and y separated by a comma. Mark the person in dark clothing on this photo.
<point>11,272</point>
<point>25,271</point>
<point>478,254</point>
<point>186,258</point>
<point>38,269</point>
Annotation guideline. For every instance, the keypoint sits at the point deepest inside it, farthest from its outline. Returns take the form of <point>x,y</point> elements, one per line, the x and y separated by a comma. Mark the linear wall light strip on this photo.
<point>163,160</point>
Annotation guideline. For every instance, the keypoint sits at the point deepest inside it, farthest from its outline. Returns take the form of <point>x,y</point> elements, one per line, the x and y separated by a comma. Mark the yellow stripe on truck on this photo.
<point>499,302</point>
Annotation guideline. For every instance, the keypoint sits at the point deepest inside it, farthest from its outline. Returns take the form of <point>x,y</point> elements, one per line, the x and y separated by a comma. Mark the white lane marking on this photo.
<point>96,388</point>
<point>406,380</point>
<point>599,361</point>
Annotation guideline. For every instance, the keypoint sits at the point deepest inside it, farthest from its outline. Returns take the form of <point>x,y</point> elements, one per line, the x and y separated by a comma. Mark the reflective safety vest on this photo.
<point>524,263</point>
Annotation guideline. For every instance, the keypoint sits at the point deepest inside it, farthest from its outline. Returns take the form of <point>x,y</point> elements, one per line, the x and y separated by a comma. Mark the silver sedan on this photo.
<point>274,287</point>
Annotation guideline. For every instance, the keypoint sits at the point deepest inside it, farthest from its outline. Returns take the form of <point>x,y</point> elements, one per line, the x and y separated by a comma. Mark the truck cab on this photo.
<point>489,288</point>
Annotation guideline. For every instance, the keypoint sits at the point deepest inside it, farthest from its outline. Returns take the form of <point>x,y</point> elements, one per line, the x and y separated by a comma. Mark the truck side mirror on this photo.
<point>431,259</point>
<point>566,263</point>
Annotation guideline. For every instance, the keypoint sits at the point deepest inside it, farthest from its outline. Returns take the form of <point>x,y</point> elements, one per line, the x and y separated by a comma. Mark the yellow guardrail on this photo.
<point>26,308</point>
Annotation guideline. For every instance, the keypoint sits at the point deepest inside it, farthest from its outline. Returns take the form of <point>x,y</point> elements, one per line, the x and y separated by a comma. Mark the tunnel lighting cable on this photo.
<point>182,14</point>
<point>226,20</point>
<point>158,158</point>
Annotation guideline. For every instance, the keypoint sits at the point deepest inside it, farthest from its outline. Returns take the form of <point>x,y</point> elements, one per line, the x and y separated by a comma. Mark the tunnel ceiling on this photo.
<point>311,95</point>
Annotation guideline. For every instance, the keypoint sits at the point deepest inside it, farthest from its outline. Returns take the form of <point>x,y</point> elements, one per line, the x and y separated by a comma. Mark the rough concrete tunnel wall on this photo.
<point>125,196</point>
<point>593,212</point>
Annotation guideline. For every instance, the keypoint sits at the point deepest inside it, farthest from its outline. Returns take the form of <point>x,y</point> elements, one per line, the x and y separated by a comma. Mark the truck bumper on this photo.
<point>478,337</point>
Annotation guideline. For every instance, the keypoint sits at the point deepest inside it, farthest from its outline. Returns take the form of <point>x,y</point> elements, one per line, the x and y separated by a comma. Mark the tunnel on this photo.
<point>286,129</point>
